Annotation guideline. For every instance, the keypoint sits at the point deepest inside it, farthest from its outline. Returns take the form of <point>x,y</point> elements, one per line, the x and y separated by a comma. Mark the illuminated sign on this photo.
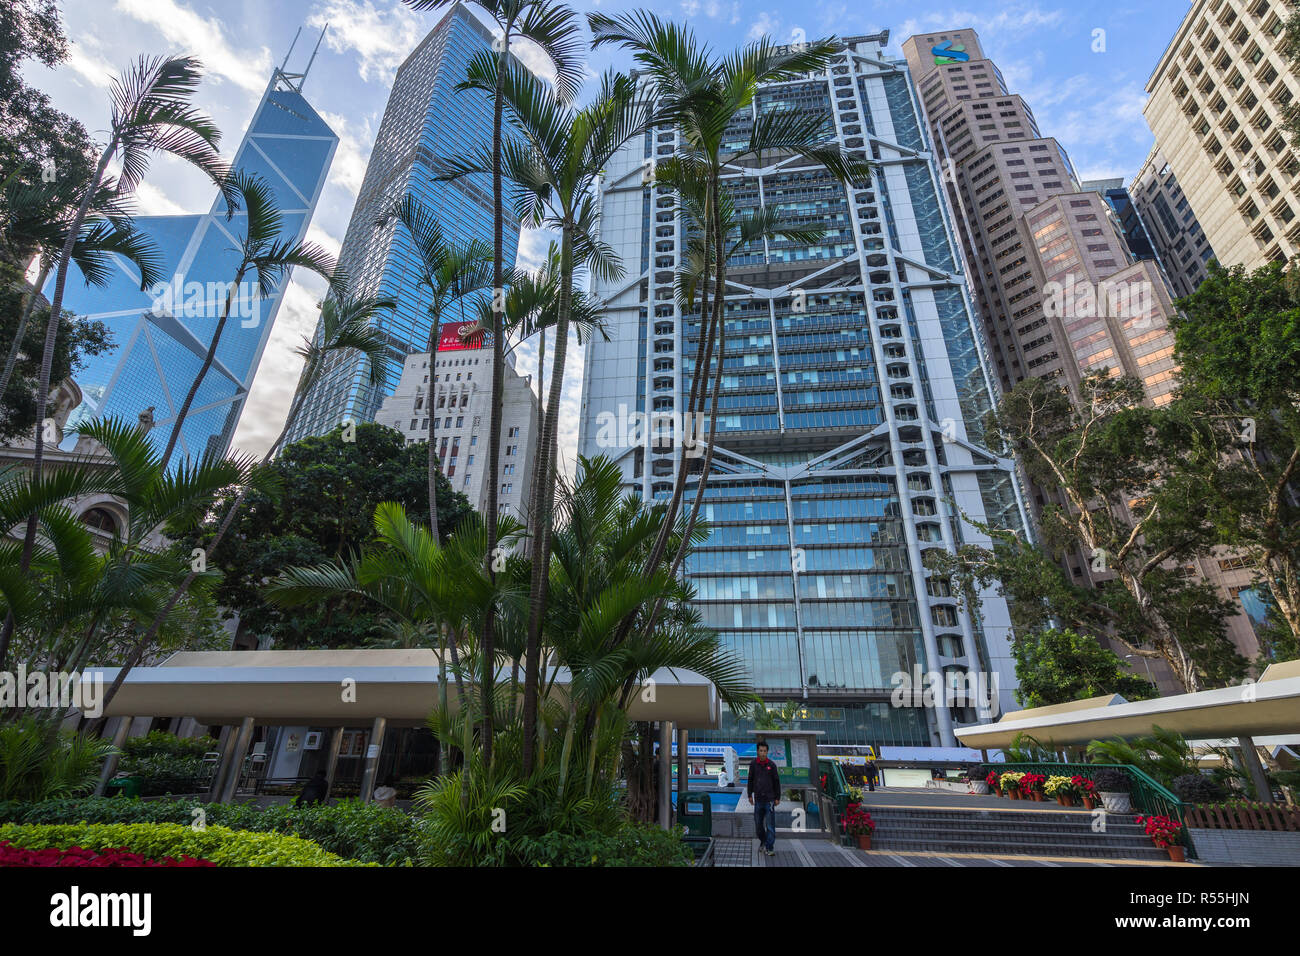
<point>459,336</point>
<point>948,53</point>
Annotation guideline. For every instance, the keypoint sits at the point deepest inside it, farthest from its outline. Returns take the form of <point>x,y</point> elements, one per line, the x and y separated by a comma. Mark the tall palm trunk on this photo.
<point>203,370</point>
<point>12,359</point>
<point>498,395</point>
<point>431,409</point>
<point>544,502</point>
<point>51,334</point>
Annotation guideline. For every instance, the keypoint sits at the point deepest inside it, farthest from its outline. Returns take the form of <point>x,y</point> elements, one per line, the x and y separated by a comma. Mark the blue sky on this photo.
<point>1090,100</point>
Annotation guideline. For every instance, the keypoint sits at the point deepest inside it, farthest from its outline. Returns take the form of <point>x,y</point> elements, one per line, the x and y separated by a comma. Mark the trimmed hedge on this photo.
<point>349,828</point>
<point>155,841</point>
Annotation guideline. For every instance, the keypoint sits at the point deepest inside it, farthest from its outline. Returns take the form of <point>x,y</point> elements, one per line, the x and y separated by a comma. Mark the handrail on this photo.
<point>1149,796</point>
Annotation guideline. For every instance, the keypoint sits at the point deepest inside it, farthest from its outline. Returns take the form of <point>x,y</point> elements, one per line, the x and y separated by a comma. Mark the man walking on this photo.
<point>764,790</point>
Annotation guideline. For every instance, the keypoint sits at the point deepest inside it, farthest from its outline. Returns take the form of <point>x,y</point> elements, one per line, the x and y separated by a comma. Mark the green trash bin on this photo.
<point>126,786</point>
<point>695,814</point>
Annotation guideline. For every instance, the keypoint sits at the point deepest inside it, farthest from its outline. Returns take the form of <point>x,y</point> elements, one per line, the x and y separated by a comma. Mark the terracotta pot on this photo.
<point>1013,793</point>
<point>864,841</point>
<point>1060,798</point>
<point>1089,803</point>
<point>1037,796</point>
<point>1177,854</point>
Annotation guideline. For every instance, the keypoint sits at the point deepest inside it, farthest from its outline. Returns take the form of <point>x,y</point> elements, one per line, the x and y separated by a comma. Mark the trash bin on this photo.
<point>126,786</point>
<point>695,814</point>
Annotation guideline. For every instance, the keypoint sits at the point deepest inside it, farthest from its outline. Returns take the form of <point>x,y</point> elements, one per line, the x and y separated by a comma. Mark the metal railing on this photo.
<point>1148,796</point>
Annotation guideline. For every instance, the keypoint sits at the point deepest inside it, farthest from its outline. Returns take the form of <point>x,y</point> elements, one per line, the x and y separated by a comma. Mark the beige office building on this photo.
<point>1058,289</point>
<point>462,379</point>
<point>1216,105</point>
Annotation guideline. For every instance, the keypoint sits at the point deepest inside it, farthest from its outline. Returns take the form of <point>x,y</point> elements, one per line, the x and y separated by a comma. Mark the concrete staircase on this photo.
<point>915,829</point>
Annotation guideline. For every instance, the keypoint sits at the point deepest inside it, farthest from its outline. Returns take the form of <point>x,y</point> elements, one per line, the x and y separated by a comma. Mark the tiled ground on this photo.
<point>818,853</point>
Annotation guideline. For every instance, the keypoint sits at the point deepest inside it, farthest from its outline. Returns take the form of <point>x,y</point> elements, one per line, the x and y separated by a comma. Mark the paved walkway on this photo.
<point>822,852</point>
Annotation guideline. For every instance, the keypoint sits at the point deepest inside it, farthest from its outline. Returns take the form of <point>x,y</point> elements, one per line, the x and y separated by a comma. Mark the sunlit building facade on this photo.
<point>426,119</point>
<point>161,335</point>
<point>849,430</point>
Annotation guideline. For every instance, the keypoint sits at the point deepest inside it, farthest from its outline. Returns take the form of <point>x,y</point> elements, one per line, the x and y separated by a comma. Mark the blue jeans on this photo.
<point>765,824</point>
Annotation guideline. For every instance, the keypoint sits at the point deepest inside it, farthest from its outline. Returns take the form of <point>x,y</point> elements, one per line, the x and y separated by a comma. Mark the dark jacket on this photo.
<point>316,790</point>
<point>872,772</point>
<point>764,783</point>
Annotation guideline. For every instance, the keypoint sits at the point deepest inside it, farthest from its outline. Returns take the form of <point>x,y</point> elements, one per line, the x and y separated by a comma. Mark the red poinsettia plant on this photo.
<point>1032,781</point>
<point>857,822</point>
<point>993,779</point>
<point>1163,831</point>
<point>11,855</point>
<point>1083,786</point>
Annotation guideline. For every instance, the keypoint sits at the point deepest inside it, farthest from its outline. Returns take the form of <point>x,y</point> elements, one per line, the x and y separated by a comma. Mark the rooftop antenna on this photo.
<point>294,81</point>
<point>291,46</point>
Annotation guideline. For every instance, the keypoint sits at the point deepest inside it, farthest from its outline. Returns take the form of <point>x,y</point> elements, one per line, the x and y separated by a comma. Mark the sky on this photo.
<point>1082,67</point>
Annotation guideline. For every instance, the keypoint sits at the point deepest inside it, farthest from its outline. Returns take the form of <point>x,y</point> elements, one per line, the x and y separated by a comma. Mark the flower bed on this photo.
<point>79,856</point>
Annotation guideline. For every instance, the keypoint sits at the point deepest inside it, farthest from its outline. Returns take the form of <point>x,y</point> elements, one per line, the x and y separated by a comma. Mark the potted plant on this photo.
<point>1011,783</point>
<point>858,823</point>
<point>1031,784</point>
<point>975,781</point>
<point>1086,790</point>
<point>1060,789</point>
<point>994,782</point>
<point>1165,833</point>
<point>1113,786</point>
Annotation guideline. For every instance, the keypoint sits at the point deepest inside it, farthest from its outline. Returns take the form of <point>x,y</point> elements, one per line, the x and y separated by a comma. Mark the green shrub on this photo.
<point>159,742</point>
<point>40,762</point>
<point>633,844</point>
<point>349,828</point>
<point>220,845</point>
<point>1198,788</point>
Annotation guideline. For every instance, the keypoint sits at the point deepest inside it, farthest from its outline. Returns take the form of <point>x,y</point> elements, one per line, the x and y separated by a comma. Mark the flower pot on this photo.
<point>1177,854</point>
<point>1089,803</point>
<point>979,787</point>
<point>1116,802</point>
<point>1013,793</point>
<point>864,841</point>
<point>1036,795</point>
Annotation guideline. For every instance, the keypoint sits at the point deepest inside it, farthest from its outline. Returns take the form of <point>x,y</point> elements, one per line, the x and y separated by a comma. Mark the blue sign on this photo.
<point>949,53</point>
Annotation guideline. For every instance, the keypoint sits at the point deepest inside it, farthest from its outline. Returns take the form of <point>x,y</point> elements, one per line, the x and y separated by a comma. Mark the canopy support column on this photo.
<point>1250,755</point>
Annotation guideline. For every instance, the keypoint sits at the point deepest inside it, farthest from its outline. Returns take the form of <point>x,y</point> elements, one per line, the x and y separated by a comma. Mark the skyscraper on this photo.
<point>849,428</point>
<point>426,119</point>
<point>1184,249</point>
<point>162,335</point>
<point>1217,103</point>
<point>1058,290</point>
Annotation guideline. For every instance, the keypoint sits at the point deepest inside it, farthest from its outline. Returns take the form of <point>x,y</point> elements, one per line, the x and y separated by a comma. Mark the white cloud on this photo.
<point>277,379</point>
<point>382,39</point>
<point>353,152</point>
<point>205,38</point>
<point>323,239</point>
<point>152,201</point>
<point>765,25</point>
<point>90,66</point>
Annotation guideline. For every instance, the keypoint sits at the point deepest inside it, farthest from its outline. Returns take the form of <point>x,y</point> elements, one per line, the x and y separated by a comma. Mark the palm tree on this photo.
<point>451,272</point>
<point>550,28</point>
<point>419,583</point>
<point>346,324</point>
<point>264,255</point>
<point>701,95</point>
<point>68,587</point>
<point>557,170</point>
<point>151,113</point>
<point>27,225</point>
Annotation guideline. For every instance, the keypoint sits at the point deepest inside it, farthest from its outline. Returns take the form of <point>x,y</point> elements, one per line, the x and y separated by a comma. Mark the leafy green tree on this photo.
<point>1131,507</point>
<point>1058,666</point>
<point>316,504</point>
<point>1238,345</point>
<point>37,141</point>
<point>78,340</point>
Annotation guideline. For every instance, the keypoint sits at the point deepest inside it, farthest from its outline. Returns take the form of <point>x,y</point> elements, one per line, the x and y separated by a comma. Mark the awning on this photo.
<point>336,688</point>
<point>1268,707</point>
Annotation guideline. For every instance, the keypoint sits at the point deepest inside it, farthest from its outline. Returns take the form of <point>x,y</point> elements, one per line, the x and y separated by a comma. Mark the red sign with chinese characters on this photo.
<point>458,336</point>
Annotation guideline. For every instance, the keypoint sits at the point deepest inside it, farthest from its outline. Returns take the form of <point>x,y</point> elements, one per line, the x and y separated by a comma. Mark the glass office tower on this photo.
<point>162,334</point>
<point>849,429</point>
<point>426,119</point>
